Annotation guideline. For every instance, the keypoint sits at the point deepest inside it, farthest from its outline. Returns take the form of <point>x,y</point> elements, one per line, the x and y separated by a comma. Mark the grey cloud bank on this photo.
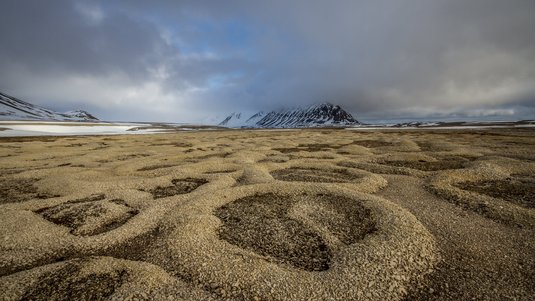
<point>189,60</point>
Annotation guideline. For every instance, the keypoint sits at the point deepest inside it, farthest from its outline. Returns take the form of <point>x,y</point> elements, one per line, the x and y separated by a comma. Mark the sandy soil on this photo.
<point>320,214</point>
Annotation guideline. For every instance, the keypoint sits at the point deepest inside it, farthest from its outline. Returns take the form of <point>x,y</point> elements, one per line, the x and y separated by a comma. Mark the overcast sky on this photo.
<point>186,61</point>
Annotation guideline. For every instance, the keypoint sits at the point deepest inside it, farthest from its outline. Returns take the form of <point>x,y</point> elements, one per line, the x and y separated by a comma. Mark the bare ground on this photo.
<point>269,215</point>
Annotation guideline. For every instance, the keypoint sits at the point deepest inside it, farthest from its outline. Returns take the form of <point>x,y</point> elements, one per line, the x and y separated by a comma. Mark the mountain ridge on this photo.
<point>317,115</point>
<point>12,108</point>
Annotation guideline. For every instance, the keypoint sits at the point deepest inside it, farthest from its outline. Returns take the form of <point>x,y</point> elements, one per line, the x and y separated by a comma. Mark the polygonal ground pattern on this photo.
<point>372,143</point>
<point>65,285</point>
<point>180,186</point>
<point>315,175</point>
<point>451,163</point>
<point>263,224</point>
<point>14,190</point>
<point>379,264</point>
<point>89,216</point>
<point>305,148</point>
<point>487,190</point>
<point>518,189</point>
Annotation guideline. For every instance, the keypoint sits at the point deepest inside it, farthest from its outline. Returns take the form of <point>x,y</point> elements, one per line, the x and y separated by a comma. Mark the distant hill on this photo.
<point>12,108</point>
<point>318,115</point>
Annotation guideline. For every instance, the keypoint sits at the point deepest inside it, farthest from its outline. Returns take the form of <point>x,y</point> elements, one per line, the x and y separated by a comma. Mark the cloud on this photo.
<point>93,14</point>
<point>186,60</point>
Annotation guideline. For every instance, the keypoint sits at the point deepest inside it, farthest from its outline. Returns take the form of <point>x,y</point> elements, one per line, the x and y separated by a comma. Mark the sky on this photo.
<point>197,61</point>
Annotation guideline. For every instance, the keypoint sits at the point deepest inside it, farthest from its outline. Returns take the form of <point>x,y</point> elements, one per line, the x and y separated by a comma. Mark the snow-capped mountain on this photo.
<point>12,108</point>
<point>324,114</point>
<point>253,120</point>
<point>238,120</point>
<point>81,114</point>
<point>233,120</point>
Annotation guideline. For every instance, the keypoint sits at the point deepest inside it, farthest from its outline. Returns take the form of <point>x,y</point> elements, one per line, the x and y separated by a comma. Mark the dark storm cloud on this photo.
<point>180,60</point>
<point>55,35</point>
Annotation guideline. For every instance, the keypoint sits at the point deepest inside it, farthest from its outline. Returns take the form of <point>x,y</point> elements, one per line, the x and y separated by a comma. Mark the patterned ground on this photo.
<point>269,215</point>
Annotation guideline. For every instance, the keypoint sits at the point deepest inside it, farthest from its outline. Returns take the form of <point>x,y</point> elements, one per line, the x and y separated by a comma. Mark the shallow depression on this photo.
<point>180,186</point>
<point>67,283</point>
<point>450,163</point>
<point>89,216</point>
<point>13,190</point>
<point>264,224</point>
<point>518,189</point>
<point>315,175</point>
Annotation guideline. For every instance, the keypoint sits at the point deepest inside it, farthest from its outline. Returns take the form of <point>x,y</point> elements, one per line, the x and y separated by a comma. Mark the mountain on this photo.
<point>324,114</point>
<point>238,120</point>
<point>12,108</point>
<point>233,120</point>
<point>81,114</point>
<point>253,120</point>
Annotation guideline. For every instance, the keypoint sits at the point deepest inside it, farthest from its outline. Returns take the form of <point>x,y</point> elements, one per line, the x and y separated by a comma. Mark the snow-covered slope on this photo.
<point>80,114</point>
<point>12,108</point>
<point>324,114</point>
<point>253,120</point>
<point>239,120</point>
<point>233,120</point>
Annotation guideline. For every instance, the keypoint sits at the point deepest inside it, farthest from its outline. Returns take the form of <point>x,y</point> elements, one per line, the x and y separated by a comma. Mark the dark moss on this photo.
<point>518,189</point>
<point>261,223</point>
<point>14,190</point>
<point>155,167</point>
<point>173,143</point>
<point>66,284</point>
<point>372,143</point>
<point>348,219</point>
<point>304,148</point>
<point>451,163</point>
<point>77,213</point>
<point>180,186</point>
<point>314,175</point>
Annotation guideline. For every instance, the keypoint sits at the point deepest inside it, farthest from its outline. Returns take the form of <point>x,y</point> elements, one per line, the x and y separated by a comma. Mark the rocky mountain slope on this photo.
<point>324,114</point>
<point>12,108</point>
<point>237,120</point>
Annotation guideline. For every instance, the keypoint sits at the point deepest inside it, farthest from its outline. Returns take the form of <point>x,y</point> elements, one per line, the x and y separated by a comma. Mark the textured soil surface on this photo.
<point>516,189</point>
<point>58,285</point>
<point>313,214</point>
<point>453,163</point>
<point>89,216</point>
<point>262,223</point>
<point>180,186</point>
<point>481,259</point>
<point>13,190</point>
<point>314,175</point>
